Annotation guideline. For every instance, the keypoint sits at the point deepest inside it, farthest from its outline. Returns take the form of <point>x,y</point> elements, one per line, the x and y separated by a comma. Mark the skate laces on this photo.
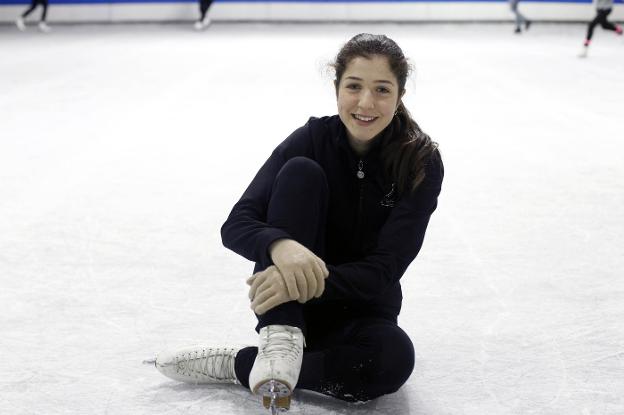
<point>280,344</point>
<point>217,364</point>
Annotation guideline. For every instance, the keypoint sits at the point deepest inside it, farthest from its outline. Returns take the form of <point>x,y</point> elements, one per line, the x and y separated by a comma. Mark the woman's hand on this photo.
<point>304,273</point>
<point>267,290</point>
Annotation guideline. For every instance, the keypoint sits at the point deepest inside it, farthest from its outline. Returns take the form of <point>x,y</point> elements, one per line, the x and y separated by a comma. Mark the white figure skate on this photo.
<point>44,28</point>
<point>202,24</point>
<point>583,52</point>
<point>198,364</point>
<point>21,25</point>
<point>276,369</point>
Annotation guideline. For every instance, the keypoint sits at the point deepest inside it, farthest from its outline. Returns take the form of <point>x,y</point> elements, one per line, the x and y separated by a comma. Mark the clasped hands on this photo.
<point>297,275</point>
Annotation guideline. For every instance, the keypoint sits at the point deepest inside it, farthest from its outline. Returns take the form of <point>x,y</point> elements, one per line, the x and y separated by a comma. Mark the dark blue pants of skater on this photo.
<point>354,359</point>
<point>204,5</point>
<point>33,5</point>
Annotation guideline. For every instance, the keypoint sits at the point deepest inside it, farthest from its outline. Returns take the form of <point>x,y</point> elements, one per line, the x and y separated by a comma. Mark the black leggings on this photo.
<point>33,5</point>
<point>600,19</point>
<point>204,5</point>
<point>353,358</point>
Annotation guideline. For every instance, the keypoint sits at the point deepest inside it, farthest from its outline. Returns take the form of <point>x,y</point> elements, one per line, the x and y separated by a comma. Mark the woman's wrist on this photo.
<point>274,245</point>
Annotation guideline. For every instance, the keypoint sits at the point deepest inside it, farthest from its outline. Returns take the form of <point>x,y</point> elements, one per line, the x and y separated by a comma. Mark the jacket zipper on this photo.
<point>360,175</point>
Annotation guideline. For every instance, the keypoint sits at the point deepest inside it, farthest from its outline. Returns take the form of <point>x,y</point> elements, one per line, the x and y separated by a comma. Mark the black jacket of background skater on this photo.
<point>372,232</point>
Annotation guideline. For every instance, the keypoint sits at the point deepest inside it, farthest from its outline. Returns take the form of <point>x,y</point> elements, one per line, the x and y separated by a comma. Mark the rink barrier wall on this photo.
<point>113,11</point>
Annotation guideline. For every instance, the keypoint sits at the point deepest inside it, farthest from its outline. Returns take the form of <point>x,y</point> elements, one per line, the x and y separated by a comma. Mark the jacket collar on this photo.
<point>340,134</point>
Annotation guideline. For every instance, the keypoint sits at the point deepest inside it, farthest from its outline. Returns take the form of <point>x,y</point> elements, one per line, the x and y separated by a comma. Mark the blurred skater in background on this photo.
<point>520,19</point>
<point>603,9</point>
<point>204,20</point>
<point>21,23</point>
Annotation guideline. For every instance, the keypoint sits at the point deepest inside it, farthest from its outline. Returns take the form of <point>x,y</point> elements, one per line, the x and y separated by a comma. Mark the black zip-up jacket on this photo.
<point>371,235</point>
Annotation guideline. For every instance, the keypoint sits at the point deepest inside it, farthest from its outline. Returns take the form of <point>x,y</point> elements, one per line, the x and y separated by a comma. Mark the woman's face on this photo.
<point>368,96</point>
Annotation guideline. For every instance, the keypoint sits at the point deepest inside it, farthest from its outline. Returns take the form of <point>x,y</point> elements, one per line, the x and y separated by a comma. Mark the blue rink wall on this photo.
<point>311,10</point>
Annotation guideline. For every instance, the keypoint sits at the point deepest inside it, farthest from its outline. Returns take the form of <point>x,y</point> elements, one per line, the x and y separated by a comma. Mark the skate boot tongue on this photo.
<point>280,345</point>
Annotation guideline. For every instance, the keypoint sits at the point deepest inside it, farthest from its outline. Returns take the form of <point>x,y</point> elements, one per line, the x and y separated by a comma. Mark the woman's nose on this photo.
<point>366,100</point>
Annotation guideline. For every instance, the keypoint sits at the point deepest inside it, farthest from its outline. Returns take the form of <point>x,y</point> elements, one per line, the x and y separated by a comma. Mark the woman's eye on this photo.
<point>383,90</point>
<point>353,86</point>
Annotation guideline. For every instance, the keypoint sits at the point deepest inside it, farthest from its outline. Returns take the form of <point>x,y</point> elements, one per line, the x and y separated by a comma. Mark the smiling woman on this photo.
<point>332,220</point>
<point>380,62</point>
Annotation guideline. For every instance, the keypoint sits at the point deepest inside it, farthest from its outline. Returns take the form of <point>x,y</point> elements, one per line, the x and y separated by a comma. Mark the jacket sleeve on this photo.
<point>399,241</point>
<point>245,231</point>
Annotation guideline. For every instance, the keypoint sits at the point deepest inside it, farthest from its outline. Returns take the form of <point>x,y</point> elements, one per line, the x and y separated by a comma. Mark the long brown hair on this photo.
<point>406,148</point>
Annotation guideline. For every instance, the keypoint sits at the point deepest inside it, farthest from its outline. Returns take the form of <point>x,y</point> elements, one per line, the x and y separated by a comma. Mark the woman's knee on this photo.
<point>304,173</point>
<point>387,361</point>
<point>302,165</point>
<point>396,363</point>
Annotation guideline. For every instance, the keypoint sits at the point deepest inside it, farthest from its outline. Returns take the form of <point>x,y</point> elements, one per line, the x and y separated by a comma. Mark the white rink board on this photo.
<point>338,12</point>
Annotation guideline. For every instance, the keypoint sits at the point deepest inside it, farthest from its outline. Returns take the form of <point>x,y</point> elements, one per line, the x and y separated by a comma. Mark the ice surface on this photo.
<point>122,149</point>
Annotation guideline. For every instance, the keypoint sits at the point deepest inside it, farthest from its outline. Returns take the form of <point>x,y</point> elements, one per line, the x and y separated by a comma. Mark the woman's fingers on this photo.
<point>270,292</point>
<point>269,303</point>
<point>255,280</point>
<point>291,285</point>
<point>320,280</point>
<point>302,285</point>
<point>260,304</point>
<point>320,288</point>
<point>303,273</point>
<point>311,280</point>
<point>324,268</point>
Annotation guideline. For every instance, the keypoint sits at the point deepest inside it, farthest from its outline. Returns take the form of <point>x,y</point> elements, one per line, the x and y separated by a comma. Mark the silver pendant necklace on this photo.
<point>360,172</point>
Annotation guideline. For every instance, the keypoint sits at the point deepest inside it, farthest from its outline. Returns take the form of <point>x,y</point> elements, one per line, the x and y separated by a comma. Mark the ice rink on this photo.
<point>123,148</point>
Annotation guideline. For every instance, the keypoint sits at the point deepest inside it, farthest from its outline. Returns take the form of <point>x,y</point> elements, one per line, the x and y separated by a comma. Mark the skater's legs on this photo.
<point>370,357</point>
<point>204,5</point>
<point>605,23</point>
<point>600,19</point>
<point>298,205</point>
<point>359,361</point>
<point>44,12</point>
<point>520,19</point>
<point>33,5</point>
<point>592,25</point>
